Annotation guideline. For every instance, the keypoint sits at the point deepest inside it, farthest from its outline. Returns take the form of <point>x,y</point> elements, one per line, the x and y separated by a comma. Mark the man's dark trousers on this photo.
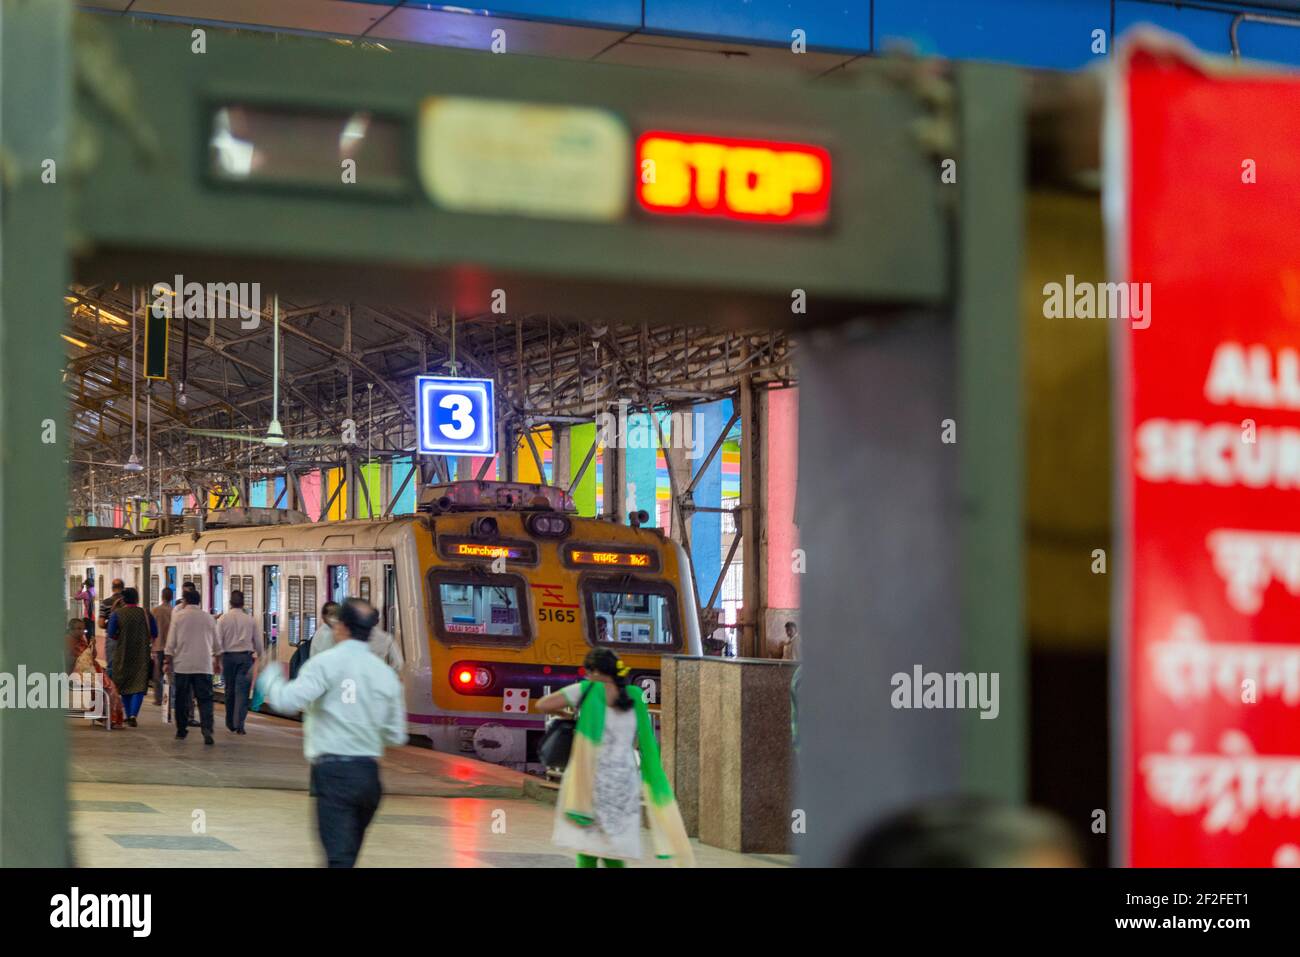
<point>237,670</point>
<point>192,686</point>
<point>347,793</point>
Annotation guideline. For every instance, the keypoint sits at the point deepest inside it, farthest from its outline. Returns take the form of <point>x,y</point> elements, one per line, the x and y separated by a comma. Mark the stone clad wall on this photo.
<point>725,730</point>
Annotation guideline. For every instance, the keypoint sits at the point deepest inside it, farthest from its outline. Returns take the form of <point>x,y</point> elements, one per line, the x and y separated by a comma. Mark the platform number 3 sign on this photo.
<point>455,416</point>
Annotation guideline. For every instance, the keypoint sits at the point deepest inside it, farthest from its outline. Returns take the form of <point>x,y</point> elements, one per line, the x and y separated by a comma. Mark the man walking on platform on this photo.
<point>353,708</point>
<point>241,646</point>
<point>162,614</point>
<point>192,651</point>
<point>106,608</point>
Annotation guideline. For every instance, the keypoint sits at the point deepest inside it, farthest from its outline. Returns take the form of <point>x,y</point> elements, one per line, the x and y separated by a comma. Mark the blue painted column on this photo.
<point>405,504</point>
<point>706,527</point>
<point>642,450</point>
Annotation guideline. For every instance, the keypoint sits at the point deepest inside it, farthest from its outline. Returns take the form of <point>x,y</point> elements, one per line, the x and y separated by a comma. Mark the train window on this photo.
<point>391,621</point>
<point>623,612</point>
<point>363,590</point>
<point>154,594</point>
<point>474,609</point>
<point>271,606</point>
<point>218,575</point>
<point>337,576</point>
<point>309,604</point>
<point>247,589</point>
<point>295,610</point>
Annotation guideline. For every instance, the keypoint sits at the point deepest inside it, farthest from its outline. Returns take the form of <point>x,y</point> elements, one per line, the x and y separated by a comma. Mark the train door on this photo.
<point>271,608</point>
<point>216,589</point>
<point>390,602</point>
<point>337,582</point>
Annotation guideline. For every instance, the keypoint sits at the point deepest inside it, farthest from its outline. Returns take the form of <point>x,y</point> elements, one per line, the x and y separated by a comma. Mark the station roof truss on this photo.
<point>355,361</point>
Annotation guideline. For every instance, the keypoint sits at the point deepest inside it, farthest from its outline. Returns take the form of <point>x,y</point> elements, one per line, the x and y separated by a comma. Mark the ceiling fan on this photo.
<point>275,437</point>
<point>130,465</point>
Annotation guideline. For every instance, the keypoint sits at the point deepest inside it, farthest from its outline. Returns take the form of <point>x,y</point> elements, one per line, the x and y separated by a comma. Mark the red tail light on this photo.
<point>471,677</point>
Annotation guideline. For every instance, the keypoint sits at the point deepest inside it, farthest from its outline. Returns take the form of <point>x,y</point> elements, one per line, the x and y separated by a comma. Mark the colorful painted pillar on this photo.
<point>310,484</point>
<point>706,527</point>
<point>581,438</point>
<point>371,493</point>
<point>405,502</point>
<point>783,559</point>
<point>641,464</point>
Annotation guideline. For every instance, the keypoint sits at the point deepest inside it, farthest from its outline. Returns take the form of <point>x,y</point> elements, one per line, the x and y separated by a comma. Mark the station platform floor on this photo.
<point>140,798</point>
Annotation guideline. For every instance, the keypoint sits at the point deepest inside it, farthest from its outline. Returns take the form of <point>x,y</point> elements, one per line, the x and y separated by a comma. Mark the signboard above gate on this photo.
<point>528,159</point>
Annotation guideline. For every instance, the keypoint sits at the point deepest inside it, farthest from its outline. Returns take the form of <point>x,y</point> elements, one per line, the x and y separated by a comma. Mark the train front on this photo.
<point>519,589</point>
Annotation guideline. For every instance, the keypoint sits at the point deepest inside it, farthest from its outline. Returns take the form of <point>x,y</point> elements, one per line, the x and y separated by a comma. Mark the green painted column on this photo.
<point>35,77</point>
<point>584,495</point>
<point>990,438</point>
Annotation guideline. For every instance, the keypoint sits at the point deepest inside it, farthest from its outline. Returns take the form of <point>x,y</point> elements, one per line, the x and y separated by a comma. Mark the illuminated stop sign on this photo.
<point>747,180</point>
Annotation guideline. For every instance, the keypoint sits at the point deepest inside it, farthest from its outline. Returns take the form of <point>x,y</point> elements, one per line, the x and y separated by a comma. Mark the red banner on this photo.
<point>1208,426</point>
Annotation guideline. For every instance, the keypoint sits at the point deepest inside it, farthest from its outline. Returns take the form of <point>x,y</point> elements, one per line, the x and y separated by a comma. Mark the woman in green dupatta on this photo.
<point>598,812</point>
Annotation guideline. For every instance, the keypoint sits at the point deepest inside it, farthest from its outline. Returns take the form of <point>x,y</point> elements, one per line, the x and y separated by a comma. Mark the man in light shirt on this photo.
<point>241,646</point>
<point>352,709</point>
<point>162,613</point>
<point>192,654</point>
<point>323,640</point>
<point>386,649</point>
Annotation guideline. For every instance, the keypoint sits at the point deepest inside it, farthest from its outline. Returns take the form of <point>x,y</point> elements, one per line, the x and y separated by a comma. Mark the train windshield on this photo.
<point>628,612</point>
<point>490,609</point>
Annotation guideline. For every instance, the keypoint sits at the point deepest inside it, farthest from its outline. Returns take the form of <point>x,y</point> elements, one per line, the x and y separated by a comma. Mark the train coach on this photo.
<point>495,591</point>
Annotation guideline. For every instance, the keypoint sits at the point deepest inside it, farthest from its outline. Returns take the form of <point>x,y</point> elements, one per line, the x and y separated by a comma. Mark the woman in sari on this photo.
<point>598,812</point>
<point>133,630</point>
<point>82,653</point>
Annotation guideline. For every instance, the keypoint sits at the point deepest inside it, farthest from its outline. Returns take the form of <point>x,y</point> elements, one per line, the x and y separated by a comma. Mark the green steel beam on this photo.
<point>149,207</point>
<point>35,100</point>
<point>990,183</point>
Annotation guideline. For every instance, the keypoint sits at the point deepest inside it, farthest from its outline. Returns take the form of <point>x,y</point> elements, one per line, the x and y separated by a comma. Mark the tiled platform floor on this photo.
<point>141,799</point>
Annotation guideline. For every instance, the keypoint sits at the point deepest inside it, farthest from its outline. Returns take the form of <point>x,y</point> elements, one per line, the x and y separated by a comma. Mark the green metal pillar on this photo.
<point>35,79</point>
<point>990,178</point>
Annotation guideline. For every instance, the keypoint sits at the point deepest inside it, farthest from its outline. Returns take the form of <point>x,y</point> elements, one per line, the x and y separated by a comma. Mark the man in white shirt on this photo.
<point>191,653</point>
<point>323,640</point>
<point>386,649</point>
<point>241,646</point>
<point>381,642</point>
<point>353,708</point>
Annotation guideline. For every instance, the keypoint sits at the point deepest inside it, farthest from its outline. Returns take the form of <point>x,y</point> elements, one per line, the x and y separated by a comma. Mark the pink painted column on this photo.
<point>309,482</point>
<point>785,564</point>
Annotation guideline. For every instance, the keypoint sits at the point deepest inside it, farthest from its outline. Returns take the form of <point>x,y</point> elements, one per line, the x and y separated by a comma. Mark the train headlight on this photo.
<point>549,525</point>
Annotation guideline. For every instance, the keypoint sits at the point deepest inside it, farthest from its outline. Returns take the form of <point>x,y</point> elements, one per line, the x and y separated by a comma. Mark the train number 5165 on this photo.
<point>556,614</point>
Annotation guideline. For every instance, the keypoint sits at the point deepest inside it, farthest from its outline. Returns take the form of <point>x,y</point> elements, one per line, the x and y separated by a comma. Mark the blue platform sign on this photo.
<point>455,416</point>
